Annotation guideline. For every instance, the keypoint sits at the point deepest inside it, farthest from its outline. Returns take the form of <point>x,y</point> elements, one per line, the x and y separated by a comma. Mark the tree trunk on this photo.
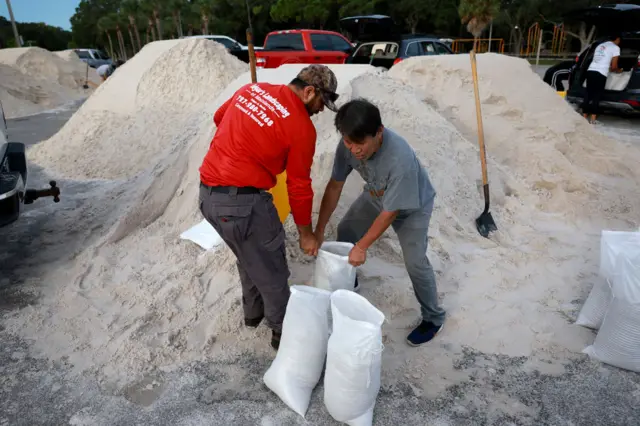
<point>412,21</point>
<point>113,53</point>
<point>148,36</point>
<point>134,50</point>
<point>205,24</point>
<point>190,30</point>
<point>123,51</point>
<point>156,15</point>
<point>151,28</point>
<point>137,33</point>
<point>176,21</point>
<point>180,24</point>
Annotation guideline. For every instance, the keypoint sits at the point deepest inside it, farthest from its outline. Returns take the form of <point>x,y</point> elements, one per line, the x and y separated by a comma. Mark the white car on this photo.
<point>226,41</point>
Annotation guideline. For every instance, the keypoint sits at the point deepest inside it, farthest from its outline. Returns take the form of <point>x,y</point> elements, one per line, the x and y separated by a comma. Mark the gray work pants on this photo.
<point>412,231</point>
<point>250,226</point>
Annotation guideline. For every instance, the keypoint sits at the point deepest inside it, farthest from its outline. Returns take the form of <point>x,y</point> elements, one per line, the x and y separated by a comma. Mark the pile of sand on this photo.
<point>33,80</point>
<point>138,299</point>
<point>141,111</point>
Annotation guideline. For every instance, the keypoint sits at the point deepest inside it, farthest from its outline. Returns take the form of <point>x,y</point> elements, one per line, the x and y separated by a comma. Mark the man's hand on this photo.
<point>309,244</point>
<point>357,256</point>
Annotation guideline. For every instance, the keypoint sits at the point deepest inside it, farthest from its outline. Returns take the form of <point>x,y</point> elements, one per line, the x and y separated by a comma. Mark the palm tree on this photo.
<point>203,7</point>
<point>132,8</point>
<point>176,12</point>
<point>152,9</point>
<point>118,25</point>
<point>477,14</point>
<point>106,24</point>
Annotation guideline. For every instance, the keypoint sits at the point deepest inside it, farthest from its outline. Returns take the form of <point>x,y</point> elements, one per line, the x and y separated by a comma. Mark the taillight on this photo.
<point>577,59</point>
<point>397,61</point>
<point>261,62</point>
<point>632,103</point>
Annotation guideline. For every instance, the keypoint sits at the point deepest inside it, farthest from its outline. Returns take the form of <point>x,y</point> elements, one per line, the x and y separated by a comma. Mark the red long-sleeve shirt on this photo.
<point>264,129</point>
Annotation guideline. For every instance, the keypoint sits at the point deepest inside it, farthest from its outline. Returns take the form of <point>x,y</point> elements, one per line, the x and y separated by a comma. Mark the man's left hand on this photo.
<point>357,256</point>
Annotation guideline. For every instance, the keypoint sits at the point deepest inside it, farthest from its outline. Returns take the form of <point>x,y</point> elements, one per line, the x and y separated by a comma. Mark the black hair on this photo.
<point>616,36</point>
<point>300,84</point>
<point>358,119</point>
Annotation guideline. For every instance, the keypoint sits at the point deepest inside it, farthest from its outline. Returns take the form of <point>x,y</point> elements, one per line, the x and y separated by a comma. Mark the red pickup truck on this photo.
<point>303,47</point>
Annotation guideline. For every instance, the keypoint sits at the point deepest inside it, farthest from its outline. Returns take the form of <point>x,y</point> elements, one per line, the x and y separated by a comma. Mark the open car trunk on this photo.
<point>376,53</point>
<point>629,62</point>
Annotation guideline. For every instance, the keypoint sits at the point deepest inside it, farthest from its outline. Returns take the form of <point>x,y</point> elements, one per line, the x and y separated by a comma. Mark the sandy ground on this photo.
<point>497,390</point>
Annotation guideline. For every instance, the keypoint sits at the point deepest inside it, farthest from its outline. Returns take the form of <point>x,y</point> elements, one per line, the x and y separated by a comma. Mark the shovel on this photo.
<point>485,222</point>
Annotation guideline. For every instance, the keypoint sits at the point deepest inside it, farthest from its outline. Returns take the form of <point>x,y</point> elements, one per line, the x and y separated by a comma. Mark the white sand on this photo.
<point>137,298</point>
<point>33,80</point>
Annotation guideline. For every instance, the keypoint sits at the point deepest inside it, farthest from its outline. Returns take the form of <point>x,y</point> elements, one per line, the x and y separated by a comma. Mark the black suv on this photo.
<point>623,90</point>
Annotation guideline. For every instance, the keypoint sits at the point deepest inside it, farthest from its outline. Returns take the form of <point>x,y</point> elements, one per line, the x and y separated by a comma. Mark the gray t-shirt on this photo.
<point>392,175</point>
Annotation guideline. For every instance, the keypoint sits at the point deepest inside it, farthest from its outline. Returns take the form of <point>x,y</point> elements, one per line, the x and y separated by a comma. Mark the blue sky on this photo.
<point>52,12</point>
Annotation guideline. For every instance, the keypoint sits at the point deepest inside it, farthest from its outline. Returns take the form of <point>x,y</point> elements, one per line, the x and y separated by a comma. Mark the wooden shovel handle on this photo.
<point>483,155</point>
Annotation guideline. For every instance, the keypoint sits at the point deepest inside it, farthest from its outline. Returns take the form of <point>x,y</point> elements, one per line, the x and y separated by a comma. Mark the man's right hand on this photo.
<point>309,243</point>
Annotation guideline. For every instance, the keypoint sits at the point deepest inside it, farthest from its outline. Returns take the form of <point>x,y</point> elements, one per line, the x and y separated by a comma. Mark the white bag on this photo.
<point>612,243</point>
<point>303,347</point>
<point>352,376</point>
<point>203,234</point>
<point>618,341</point>
<point>333,271</point>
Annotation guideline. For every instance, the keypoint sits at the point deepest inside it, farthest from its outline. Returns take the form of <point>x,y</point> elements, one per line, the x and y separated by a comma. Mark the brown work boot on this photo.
<point>275,339</point>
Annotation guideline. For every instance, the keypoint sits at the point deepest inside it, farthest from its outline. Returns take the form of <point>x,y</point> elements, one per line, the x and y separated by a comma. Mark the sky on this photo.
<point>52,12</point>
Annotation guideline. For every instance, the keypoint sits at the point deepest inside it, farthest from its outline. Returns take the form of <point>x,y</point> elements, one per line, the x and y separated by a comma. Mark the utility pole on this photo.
<point>13,24</point>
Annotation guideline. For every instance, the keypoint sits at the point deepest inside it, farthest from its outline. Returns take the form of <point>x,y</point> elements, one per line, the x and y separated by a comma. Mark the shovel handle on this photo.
<point>483,155</point>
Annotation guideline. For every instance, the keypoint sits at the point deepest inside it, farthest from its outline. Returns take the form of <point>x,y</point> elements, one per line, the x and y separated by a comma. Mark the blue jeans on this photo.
<point>412,230</point>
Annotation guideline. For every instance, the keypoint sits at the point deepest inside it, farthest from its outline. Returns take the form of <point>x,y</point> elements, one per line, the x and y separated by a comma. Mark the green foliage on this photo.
<point>34,34</point>
<point>229,17</point>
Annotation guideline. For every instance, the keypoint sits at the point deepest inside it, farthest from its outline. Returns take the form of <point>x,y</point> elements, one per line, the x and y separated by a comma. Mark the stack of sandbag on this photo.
<point>613,307</point>
<point>353,354</point>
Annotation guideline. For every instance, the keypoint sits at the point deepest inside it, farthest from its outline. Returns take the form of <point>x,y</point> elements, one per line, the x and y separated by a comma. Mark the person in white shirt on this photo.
<point>605,60</point>
<point>105,71</point>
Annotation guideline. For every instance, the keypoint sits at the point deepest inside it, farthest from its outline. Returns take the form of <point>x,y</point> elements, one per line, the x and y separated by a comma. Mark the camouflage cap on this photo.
<point>321,77</point>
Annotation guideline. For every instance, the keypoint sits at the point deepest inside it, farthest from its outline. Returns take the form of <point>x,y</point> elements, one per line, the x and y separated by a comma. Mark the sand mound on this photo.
<point>23,95</point>
<point>44,65</point>
<point>140,111</point>
<point>138,299</point>
<point>533,131</point>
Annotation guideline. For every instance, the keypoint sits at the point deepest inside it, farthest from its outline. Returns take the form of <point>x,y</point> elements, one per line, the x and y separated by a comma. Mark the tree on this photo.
<point>477,14</point>
<point>176,7</point>
<point>106,24</point>
<point>308,12</point>
<point>132,9</point>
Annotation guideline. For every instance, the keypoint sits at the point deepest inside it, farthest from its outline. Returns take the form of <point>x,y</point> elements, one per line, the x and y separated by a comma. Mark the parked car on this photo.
<point>95,58</point>
<point>623,90</point>
<point>237,49</point>
<point>13,178</point>
<point>303,47</point>
<point>382,45</point>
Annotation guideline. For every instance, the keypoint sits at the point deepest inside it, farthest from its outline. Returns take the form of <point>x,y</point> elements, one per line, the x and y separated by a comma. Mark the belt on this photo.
<point>230,189</point>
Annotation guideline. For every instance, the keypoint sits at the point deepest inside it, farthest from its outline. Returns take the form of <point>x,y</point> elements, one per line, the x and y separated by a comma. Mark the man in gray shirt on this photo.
<point>397,193</point>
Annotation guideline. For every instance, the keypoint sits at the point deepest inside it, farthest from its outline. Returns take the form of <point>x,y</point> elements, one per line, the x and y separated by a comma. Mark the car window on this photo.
<point>229,44</point>
<point>428,48</point>
<point>441,49</point>
<point>387,50</point>
<point>413,49</point>
<point>284,42</point>
<point>321,42</point>
<point>83,54</point>
<point>339,43</point>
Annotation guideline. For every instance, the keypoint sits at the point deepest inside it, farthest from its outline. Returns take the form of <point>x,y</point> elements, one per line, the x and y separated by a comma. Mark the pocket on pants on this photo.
<point>234,221</point>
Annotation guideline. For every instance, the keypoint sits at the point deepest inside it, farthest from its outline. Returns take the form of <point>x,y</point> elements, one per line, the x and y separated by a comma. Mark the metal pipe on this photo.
<point>13,24</point>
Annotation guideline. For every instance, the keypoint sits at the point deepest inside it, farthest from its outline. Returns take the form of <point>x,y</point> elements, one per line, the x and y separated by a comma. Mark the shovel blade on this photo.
<point>486,224</point>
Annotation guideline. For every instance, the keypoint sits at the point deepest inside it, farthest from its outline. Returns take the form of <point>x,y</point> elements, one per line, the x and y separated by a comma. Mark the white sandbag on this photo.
<point>298,365</point>
<point>203,234</point>
<point>618,341</point>
<point>595,307</point>
<point>612,243</point>
<point>352,376</point>
<point>333,271</point>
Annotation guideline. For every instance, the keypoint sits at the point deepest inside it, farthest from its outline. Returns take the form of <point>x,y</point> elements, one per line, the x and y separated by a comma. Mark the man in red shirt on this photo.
<point>263,130</point>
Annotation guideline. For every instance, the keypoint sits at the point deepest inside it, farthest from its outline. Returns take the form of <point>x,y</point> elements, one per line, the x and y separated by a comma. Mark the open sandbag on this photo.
<point>333,271</point>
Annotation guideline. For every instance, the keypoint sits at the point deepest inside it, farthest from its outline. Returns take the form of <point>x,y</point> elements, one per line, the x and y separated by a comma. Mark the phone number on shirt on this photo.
<point>254,108</point>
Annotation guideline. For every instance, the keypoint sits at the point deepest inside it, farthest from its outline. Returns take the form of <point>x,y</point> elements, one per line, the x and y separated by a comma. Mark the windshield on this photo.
<point>284,42</point>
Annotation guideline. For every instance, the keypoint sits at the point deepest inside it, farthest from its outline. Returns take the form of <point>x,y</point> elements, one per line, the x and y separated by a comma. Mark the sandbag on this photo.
<point>352,376</point>
<point>618,340</point>
<point>612,243</point>
<point>333,271</point>
<point>303,347</point>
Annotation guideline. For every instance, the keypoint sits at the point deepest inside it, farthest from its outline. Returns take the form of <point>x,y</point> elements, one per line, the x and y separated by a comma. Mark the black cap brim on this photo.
<point>328,103</point>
